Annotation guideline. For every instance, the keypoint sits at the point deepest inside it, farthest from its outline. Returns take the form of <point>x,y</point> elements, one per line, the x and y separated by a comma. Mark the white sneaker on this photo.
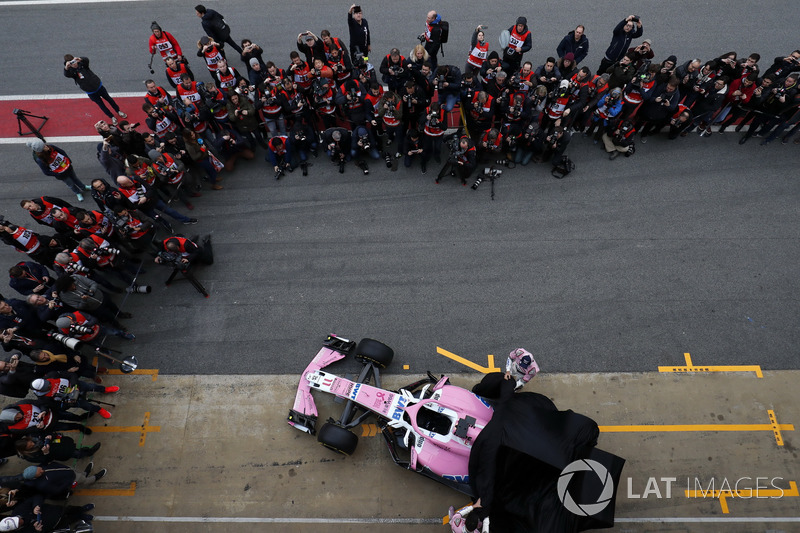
<point>121,114</point>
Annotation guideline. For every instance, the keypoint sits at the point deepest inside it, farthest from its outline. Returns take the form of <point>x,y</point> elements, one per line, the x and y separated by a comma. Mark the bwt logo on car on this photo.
<point>585,509</point>
<point>398,411</point>
<point>355,391</point>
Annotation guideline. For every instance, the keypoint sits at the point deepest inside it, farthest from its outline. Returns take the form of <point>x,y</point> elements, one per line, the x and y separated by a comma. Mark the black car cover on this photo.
<point>516,461</point>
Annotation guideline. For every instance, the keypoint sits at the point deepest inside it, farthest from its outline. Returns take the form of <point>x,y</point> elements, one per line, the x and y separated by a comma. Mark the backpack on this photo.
<point>445,27</point>
<point>562,168</point>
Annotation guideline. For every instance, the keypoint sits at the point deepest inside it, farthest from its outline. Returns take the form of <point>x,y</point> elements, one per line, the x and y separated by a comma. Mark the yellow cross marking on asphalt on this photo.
<point>773,427</point>
<point>744,493</point>
<point>143,430</point>
<point>718,368</point>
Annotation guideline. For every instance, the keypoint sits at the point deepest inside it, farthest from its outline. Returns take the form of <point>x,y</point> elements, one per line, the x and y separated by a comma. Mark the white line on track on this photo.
<point>255,520</point>
<point>56,2</point>
<point>66,96</point>
<point>54,140</point>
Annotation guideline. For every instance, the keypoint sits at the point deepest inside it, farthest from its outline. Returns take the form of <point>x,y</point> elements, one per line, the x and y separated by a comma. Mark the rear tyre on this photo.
<point>337,438</point>
<point>375,352</point>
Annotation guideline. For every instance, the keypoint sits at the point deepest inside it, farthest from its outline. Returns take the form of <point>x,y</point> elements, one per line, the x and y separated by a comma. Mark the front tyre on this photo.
<point>375,352</point>
<point>337,438</point>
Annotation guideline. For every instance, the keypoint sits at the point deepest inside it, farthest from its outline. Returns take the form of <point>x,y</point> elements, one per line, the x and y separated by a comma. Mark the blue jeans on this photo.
<point>71,180</point>
<point>164,208</point>
<point>449,101</point>
<point>102,94</point>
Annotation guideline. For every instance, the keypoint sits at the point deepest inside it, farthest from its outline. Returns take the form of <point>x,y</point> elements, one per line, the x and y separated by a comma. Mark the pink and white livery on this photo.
<point>429,426</point>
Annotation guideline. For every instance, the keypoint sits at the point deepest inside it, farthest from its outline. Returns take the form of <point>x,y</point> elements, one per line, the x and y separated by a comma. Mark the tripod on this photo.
<point>188,276</point>
<point>23,118</point>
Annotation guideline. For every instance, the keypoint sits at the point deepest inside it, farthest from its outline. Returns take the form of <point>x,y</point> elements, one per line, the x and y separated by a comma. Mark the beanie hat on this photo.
<point>154,26</point>
<point>570,56</point>
<point>9,523</point>
<point>522,20</point>
<point>30,472</point>
<point>63,322</point>
<point>648,41</point>
<point>39,385</point>
<point>153,154</point>
<point>673,58</point>
<point>253,61</point>
<point>494,55</point>
<point>37,145</point>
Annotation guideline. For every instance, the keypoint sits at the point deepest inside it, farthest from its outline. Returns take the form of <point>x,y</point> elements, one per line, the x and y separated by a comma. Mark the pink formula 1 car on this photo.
<point>429,425</point>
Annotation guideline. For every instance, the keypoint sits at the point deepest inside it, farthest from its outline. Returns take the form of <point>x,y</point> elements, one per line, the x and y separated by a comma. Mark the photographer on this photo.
<point>490,68</point>
<point>227,78</point>
<point>198,151</point>
<point>737,100</point>
<point>230,146</point>
<point>435,124</point>
<point>782,66</point>
<point>251,51</point>
<point>25,241</point>
<point>300,73</point>
<point>215,26</point>
<point>432,36</point>
<point>171,175</point>
<point>395,71</point>
<point>776,110</point>
<point>271,110</point>
<point>323,96</point>
<point>605,116</point>
<point>63,390</point>
<point>479,50</point>
<point>627,30</point>
<point>18,316</point>
<point>552,146</point>
<point>181,253</point>
<point>388,113</point>
<point>84,327</point>
<point>83,294</point>
<point>244,118</point>
<point>660,105</point>
<point>363,143</point>
<point>620,141</point>
<point>77,69</point>
<point>462,160</point>
<point>547,74</point>
<point>519,42</point>
<point>360,37</point>
<point>337,142</point>
<point>138,229</point>
<point>161,120</point>
<point>621,73</point>
<point>27,277</point>
<point>303,140</point>
<point>279,155</point>
<point>53,161</point>
<point>164,43</point>
<point>413,149</point>
<point>526,146</point>
<point>47,307</point>
<point>641,55</point>
<point>293,101</point>
<point>16,377</point>
<point>480,115</point>
<point>637,90</point>
<point>211,52</point>
<point>575,43</point>
<point>175,70</point>
<point>340,65</point>
<point>448,85</point>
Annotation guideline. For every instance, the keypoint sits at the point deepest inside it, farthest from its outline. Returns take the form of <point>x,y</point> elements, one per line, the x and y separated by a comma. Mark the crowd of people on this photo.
<point>504,109</point>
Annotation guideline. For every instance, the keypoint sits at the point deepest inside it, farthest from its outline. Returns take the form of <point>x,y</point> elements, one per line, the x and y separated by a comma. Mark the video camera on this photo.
<point>171,258</point>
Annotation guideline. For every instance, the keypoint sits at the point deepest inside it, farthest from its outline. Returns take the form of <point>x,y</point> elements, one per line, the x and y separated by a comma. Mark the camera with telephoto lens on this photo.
<point>66,340</point>
<point>396,71</point>
<point>515,82</point>
<point>363,141</point>
<point>359,60</point>
<point>97,250</point>
<point>491,173</point>
<point>135,288</point>
<point>77,329</point>
<point>639,79</point>
<point>73,268</point>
